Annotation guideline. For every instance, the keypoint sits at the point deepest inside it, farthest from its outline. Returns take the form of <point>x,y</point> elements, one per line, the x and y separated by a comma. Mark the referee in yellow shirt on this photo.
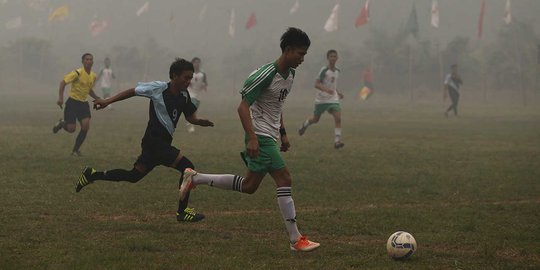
<point>77,108</point>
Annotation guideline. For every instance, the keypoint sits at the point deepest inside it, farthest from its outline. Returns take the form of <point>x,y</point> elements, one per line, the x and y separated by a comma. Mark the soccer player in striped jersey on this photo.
<point>260,111</point>
<point>327,98</point>
<point>168,100</point>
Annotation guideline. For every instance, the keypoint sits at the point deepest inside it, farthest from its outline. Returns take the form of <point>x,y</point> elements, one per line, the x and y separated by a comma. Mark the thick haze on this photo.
<point>172,28</point>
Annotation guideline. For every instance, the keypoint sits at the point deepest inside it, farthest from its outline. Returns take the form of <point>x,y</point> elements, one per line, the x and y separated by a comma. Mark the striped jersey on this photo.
<point>266,90</point>
<point>328,79</point>
<point>198,82</point>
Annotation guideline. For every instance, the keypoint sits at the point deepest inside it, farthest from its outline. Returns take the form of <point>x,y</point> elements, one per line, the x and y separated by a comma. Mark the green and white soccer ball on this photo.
<point>401,245</point>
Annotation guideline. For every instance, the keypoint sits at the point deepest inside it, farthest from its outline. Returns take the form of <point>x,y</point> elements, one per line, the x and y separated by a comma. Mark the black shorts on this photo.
<point>157,153</point>
<point>76,110</point>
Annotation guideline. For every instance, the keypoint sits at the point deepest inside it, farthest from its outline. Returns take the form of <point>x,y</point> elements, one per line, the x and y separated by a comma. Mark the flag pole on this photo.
<point>410,75</point>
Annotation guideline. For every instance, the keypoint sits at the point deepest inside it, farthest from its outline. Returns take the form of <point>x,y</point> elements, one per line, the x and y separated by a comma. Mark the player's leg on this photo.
<point>85,127</point>
<point>456,104</point>
<point>181,163</point>
<point>453,98</point>
<point>70,118</point>
<point>90,175</point>
<point>283,181</point>
<point>314,119</point>
<point>335,111</point>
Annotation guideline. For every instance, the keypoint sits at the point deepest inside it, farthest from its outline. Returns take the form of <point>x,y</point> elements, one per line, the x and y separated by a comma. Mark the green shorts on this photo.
<point>269,158</point>
<point>196,102</point>
<point>323,107</point>
<point>106,91</point>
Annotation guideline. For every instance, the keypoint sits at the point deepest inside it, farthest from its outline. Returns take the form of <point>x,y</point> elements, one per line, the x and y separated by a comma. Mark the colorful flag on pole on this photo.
<point>481,18</point>
<point>97,26</point>
<point>143,8</point>
<point>435,13</point>
<point>412,23</point>
<point>231,24</point>
<point>332,22</point>
<point>507,13</point>
<point>252,21</point>
<point>363,17</point>
<point>14,23</point>
<point>295,7</point>
<point>202,14</point>
<point>59,14</point>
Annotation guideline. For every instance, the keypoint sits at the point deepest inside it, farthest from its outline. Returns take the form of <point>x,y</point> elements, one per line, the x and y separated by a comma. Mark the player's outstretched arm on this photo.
<point>102,103</point>
<point>61,88</point>
<point>193,119</point>
<point>320,86</point>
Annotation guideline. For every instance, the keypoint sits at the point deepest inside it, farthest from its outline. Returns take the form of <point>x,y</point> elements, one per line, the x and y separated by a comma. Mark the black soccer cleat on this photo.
<point>189,215</point>
<point>58,126</point>
<point>85,178</point>
<point>338,145</point>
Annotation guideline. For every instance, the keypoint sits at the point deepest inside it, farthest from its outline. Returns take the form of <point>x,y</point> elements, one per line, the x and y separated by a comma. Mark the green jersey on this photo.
<point>266,90</point>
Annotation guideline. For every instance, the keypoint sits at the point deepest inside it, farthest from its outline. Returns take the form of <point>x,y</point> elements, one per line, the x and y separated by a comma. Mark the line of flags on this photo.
<point>97,26</point>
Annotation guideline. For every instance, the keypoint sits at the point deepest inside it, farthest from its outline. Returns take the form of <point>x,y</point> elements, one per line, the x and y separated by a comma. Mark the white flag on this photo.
<point>295,8</point>
<point>332,22</point>
<point>14,23</point>
<point>202,14</point>
<point>143,8</point>
<point>231,24</point>
<point>435,14</point>
<point>507,13</point>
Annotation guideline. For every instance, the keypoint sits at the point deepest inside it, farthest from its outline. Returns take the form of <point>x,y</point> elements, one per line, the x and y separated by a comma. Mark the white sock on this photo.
<point>286,205</point>
<point>223,181</point>
<point>306,123</point>
<point>337,131</point>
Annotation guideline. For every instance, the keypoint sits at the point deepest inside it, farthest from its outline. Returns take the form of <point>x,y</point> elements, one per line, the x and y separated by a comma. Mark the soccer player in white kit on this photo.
<point>106,75</point>
<point>327,98</point>
<point>260,111</point>
<point>198,85</point>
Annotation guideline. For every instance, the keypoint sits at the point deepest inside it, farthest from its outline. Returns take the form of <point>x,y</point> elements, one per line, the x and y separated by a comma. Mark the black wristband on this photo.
<point>282,131</point>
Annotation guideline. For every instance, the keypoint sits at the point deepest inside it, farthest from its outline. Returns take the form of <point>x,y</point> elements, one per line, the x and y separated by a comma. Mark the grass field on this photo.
<point>468,189</point>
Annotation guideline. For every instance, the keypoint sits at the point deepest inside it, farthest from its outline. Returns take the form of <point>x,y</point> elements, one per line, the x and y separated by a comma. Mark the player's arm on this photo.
<point>102,103</point>
<point>193,119</point>
<point>244,113</point>
<point>93,94</point>
<point>285,145</point>
<point>321,87</point>
<point>61,89</point>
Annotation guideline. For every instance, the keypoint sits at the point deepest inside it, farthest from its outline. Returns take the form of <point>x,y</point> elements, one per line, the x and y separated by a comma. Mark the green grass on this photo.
<point>468,189</point>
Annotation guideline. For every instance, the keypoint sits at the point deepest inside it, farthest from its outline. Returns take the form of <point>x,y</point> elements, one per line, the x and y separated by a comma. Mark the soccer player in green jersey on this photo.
<point>327,98</point>
<point>260,111</point>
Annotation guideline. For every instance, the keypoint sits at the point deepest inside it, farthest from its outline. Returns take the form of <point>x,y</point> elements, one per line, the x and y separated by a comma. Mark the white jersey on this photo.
<point>106,77</point>
<point>266,90</point>
<point>198,84</point>
<point>328,79</point>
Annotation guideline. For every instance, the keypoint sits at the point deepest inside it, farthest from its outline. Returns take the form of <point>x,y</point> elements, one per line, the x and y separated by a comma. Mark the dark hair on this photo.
<point>178,66</point>
<point>294,37</point>
<point>330,51</point>
<point>195,59</point>
<point>85,55</point>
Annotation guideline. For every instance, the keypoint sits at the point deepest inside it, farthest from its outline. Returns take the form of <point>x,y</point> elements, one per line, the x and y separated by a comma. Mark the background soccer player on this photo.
<point>77,108</point>
<point>452,83</point>
<point>106,75</point>
<point>327,98</point>
<point>260,111</point>
<point>198,85</point>
<point>168,100</point>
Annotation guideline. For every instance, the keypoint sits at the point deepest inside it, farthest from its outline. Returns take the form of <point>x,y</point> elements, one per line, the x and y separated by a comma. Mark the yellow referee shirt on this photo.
<point>81,83</point>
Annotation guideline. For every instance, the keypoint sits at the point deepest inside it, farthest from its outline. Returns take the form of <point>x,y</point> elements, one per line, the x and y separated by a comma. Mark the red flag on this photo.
<point>481,18</point>
<point>363,17</point>
<point>252,21</point>
<point>96,27</point>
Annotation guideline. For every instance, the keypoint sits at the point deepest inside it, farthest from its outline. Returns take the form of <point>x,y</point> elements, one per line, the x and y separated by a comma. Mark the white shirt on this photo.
<point>328,79</point>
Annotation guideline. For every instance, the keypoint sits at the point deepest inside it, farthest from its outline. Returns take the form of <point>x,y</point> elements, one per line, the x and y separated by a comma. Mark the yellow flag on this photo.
<point>59,14</point>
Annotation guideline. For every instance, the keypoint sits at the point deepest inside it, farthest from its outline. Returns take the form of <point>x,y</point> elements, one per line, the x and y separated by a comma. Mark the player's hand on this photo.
<point>285,145</point>
<point>100,104</point>
<point>60,102</point>
<point>340,95</point>
<point>252,148</point>
<point>205,123</point>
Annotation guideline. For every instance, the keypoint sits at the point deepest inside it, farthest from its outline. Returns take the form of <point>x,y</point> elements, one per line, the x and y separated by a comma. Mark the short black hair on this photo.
<point>294,37</point>
<point>195,59</point>
<point>85,55</point>
<point>179,65</point>
<point>330,51</point>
